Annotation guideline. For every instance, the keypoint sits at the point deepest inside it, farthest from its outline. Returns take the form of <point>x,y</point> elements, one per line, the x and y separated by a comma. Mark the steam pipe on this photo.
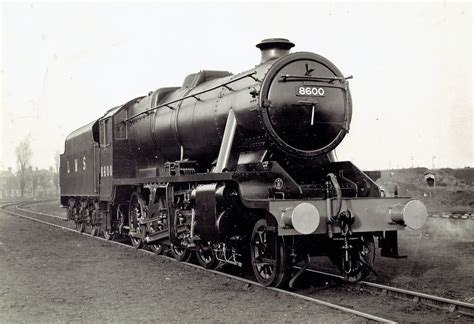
<point>227,141</point>
<point>334,216</point>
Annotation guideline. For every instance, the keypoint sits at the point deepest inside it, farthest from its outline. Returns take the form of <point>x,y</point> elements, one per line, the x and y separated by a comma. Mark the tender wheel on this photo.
<point>136,212</point>
<point>81,227</point>
<point>157,248</point>
<point>206,257</point>
<point>179,253</point>
<point>269,270</point>
<point>77,217</point>
<point>69,213</point>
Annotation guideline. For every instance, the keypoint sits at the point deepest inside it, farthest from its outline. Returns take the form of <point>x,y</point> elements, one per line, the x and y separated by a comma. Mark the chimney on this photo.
<point>273,48</point>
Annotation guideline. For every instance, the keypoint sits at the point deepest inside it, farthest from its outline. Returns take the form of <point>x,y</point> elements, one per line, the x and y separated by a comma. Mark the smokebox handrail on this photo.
<point>194,95</point>
<point>287,77</point>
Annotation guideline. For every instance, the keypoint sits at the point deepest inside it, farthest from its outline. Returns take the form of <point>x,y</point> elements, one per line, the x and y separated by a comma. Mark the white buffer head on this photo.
<point>304,218</point>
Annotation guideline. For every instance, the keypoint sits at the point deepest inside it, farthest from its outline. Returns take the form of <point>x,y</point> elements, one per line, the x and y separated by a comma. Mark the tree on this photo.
<point>56,167</point>
<point>23,158</point>
<point>43,180</point>
<point>6,183</point>
<point>11,184</point>
<point>34,180</point>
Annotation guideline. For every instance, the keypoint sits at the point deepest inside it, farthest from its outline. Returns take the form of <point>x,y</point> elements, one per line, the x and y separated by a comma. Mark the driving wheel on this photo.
<point>135,214</point>
<point>270,269</point>
<point>157,248</point>
<point>179,253</point>
<point>206,257</point>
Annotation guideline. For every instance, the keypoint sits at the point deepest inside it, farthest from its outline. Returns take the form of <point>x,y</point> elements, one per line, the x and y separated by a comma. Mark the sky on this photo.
<point>65,64</point>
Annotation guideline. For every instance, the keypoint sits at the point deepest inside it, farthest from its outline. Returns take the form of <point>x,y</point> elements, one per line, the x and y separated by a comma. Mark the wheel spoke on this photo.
<point>180,254</point>
<point>206,256</point>
<point>269,271</point>
<point>135,214</point>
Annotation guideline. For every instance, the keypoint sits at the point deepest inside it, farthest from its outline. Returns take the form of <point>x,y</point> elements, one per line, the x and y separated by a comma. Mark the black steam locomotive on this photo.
<point>237,169</point>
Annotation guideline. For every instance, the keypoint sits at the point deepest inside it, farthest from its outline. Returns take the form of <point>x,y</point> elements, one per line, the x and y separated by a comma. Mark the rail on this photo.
<point>247,281</point>
<point>429,300</point>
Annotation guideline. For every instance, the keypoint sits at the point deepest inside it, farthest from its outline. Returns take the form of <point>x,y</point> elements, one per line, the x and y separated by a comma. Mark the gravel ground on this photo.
<point>53,275</point>
<point>118,284</point>
<point>440,260</point>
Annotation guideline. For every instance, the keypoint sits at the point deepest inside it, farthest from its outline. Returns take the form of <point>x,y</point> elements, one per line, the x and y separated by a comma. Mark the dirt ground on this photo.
<point>68,277</point>
<point>439,260</point>
<point>53,275</point>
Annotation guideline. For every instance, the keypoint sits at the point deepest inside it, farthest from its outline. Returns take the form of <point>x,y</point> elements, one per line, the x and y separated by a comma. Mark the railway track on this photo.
<point>451,305</point>
<point>453,215</point>
<point>373,288</point>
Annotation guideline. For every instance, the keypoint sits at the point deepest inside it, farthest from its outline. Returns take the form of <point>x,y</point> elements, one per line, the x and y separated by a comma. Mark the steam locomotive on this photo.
<point>237,169</point>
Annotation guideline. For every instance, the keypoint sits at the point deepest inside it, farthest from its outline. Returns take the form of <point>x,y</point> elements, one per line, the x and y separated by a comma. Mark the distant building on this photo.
<point>430,178</point>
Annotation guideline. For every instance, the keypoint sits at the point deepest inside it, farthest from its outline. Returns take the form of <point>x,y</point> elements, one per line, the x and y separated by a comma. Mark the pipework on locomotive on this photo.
<point>237,169</point>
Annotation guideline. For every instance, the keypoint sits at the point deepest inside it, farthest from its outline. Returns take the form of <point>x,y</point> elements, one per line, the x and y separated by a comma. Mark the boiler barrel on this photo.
<point>298,104</point>
<point>198,124</point>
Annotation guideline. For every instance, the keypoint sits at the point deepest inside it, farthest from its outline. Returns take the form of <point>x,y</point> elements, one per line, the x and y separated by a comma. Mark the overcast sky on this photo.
<point>62,65</point>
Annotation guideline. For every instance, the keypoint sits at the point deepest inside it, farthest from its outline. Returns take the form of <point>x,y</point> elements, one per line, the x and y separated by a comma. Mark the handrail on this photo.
<point>287,77</point>
<point>194,95</point>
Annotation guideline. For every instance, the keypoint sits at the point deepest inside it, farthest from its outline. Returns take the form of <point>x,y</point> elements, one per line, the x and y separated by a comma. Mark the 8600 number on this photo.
<point>309,91</point>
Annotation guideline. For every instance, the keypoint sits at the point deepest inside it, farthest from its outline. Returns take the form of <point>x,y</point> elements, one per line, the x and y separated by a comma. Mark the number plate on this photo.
<point>309,91</point>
